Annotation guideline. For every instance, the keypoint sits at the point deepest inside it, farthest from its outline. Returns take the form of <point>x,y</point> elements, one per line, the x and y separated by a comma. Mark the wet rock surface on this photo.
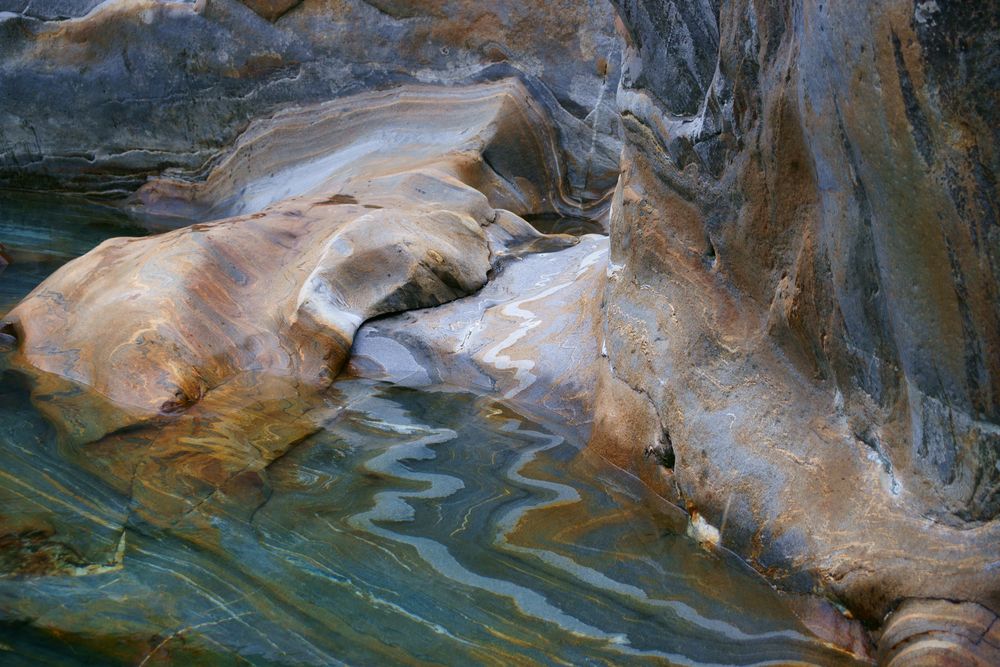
<point>404,527</point>
<point>529,336</point>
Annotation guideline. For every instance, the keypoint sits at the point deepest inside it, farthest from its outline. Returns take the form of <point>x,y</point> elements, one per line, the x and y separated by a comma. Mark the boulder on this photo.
<point>387,213</point>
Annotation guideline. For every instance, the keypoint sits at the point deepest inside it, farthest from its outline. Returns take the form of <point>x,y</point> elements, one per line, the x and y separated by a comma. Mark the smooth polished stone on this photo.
<point>363,207</point>
<point>530,336</point>
<point>803,304</point>
<point>123,90</point>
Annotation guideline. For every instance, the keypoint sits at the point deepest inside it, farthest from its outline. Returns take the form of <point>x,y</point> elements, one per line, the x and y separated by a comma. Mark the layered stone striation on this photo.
<point>796,314</point>
<point>803,301</point>
<point>98,96</point>
<point>174,334</point>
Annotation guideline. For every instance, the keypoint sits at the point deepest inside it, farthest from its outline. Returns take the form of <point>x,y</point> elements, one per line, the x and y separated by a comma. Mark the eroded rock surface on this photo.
<point>529,337</point>
<point>793,329</point>
<point>352,209</point>
<point>436,527</point>
<point>157,323</point>
<point>154,342</point>
<point>125,89</point>
<point>803,295</point>
<point>386,149</point>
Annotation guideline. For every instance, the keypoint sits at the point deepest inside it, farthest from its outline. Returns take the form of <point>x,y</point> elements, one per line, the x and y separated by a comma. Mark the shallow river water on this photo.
<point>406,527</point>
<point>41,232</point>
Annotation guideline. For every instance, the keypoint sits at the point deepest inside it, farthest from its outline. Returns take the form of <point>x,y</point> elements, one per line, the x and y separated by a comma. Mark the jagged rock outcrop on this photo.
<point>803,302</point>
<point>122,90</point>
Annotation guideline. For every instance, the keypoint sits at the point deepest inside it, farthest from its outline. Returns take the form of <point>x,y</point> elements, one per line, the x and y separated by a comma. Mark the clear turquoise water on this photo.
<point>41,232</point>
<point>408,527</point>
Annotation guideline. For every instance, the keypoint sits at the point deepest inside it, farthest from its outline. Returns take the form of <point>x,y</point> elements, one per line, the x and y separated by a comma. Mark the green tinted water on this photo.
<point>405,527</point>
<point>41,232</point>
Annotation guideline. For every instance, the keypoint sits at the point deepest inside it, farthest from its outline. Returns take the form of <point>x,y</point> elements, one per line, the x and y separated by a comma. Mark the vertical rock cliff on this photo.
<point>802,308</point>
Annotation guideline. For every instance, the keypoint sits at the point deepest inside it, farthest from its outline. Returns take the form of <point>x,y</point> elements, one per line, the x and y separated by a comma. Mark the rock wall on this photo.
<point>802,310</point>
<point>127,89</point>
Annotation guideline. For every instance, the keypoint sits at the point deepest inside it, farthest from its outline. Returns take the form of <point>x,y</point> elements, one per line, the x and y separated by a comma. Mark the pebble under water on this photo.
<point>430,526</point>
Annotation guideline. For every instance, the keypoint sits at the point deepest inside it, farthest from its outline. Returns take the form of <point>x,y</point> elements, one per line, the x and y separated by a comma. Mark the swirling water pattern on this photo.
<point>415,527</point>
<point>411,527</point>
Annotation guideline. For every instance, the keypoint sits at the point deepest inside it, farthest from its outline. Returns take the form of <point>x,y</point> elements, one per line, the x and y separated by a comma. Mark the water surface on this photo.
<point>41,232</point>
<point>384,526</point>
<point>414,527</point>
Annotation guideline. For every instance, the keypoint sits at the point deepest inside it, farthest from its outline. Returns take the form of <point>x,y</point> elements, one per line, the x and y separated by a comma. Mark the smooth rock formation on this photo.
<point>803,302</point>
<point>158,323</point>
<point>940,632</point>
<point>793,330</point>
<point>529,337</point>
<point>155,346</point>
<point>126,89</point>
<point>377,148</point>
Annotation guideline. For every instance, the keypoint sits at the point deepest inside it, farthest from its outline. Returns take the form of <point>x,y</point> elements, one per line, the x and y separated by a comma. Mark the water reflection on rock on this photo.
<point>368,524</point>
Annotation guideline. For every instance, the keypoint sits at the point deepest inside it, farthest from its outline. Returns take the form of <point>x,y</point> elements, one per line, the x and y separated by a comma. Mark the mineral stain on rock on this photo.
<point>641,331</point>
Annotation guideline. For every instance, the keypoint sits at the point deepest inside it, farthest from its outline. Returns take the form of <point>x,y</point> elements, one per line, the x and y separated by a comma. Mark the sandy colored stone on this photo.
<point>154,325</point>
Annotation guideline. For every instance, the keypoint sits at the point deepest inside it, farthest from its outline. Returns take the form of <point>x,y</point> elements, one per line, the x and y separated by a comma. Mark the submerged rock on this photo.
<point>408,527</point>
<point>179,367</point>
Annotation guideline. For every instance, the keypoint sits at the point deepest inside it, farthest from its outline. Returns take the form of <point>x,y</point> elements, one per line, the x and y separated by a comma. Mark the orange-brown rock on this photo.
<point>798,337</point>
<point>386,217</point>
<point>269,9</point>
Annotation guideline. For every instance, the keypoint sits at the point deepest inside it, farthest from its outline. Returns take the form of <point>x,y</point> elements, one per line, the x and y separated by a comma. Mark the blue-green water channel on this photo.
<point>423,527</point>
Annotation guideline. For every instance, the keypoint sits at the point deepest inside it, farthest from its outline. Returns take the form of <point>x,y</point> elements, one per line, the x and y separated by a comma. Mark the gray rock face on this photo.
<point>528,337</point>
<point>801,303</point>
<point>133,88</point>
<point>48,10</point>
<point>675,49</point>
<point>805,285</point>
